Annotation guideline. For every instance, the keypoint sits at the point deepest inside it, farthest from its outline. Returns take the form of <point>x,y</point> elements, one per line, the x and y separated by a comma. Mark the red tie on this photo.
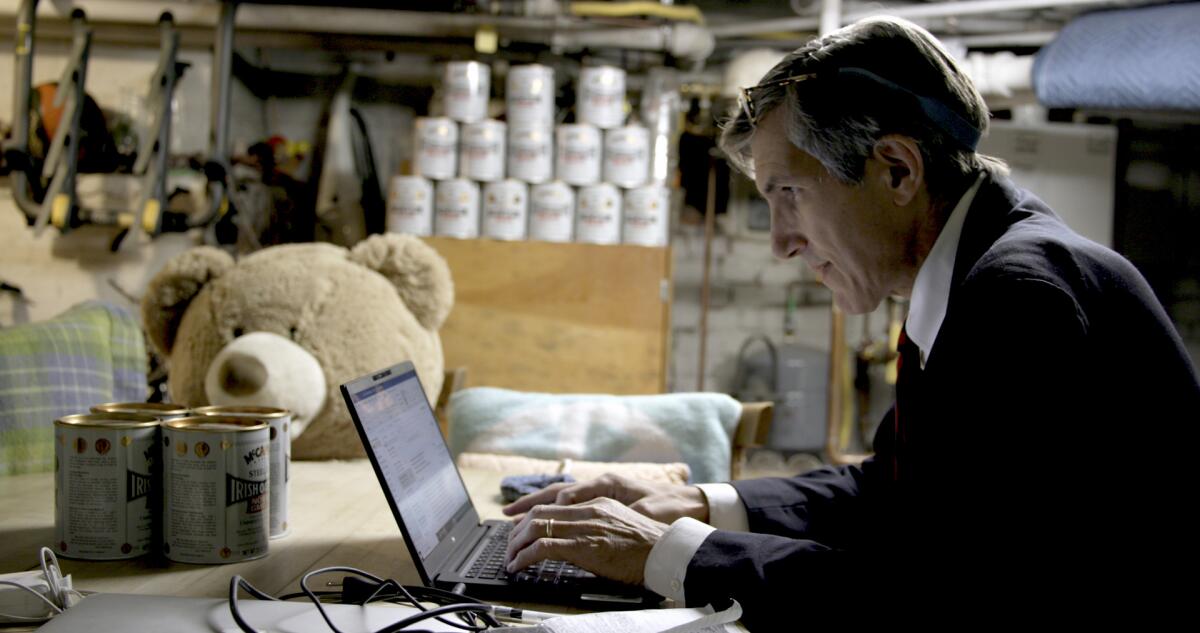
<point>908,369</point>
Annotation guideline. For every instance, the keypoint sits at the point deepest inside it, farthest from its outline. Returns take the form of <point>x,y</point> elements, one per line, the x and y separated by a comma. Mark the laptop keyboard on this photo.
<point>490,564</point>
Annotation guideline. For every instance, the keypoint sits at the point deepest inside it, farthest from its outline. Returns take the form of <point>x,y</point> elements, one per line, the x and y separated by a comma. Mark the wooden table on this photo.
<point>338,516</point>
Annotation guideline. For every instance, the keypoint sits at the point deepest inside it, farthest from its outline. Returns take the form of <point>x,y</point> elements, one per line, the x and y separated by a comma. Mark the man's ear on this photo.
<point>173,288</point>
<point>901,167</point>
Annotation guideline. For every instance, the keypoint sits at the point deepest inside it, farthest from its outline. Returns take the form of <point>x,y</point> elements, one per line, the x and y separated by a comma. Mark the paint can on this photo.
<point>216,475</point>
<point>529,95</point>
<point>161,410</point>
<point>482,156</point>
<point>505,209</point>
<point>551,212</point>
<point>627,156</point>
<point>279,422</point>
<point>466,87</point>
<point>646,213</point>
<point>436,151</point>
<point>456,209</point>
<point>105,474</point>
<point>577,154</point>
<point>601,96</point>
<point>598,214</point>
<point>410,206</point>
<point>531,153</point>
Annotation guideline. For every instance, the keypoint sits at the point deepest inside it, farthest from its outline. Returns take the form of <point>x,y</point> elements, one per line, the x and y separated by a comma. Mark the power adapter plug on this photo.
<point>29,597</point>
<point>355,590</point>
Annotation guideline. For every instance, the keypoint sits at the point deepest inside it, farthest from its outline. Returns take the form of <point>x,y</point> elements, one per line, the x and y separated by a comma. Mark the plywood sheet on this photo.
<point>559,318</point>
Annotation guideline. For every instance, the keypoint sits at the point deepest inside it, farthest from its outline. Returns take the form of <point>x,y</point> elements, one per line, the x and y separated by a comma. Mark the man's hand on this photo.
<point>600,535</point>
<point>661,502</point>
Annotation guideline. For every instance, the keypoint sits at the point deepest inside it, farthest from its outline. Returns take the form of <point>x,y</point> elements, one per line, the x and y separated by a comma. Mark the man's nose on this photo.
<point>786,242</point>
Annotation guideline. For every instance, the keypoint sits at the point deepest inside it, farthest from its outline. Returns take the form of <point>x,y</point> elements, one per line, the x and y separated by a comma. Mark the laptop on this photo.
<point>447,542</point>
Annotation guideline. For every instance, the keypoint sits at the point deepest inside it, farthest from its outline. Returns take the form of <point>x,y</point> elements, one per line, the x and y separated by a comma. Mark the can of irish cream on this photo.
<point>280,421</point>
<point>216,472</point>
<point>161,410</point>
<point>105,467</point>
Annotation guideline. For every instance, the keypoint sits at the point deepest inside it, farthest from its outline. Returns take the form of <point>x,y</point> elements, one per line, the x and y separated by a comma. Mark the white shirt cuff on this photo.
<point>666,567</point>
<point>725,509</point>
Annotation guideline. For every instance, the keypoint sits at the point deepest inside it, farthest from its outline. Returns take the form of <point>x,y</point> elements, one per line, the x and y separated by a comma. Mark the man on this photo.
<point>1038,444</point>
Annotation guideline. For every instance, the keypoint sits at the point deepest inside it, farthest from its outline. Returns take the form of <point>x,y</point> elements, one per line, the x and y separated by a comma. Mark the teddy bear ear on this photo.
<point>418,272</point>
<point>171,291</point>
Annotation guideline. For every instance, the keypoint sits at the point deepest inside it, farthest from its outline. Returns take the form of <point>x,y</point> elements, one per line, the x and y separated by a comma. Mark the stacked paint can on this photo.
<point>529,95</point>
<point>598,215</point>
<point>593,180</point>
<point>482,152</point>
<point>601,95</point>
<point>552,212</point>
<point>456,209</point>
<point>410,206</point>
<point>577,153</point>
<point>467,86</point>
<point>436,148</point>
<point>627,156</point>
<point>646,213</point>
<point>505,210</point>
<point>531,153</point>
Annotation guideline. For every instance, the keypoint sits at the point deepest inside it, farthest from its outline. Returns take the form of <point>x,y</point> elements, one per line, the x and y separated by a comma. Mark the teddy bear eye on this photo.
<point>237,331</point>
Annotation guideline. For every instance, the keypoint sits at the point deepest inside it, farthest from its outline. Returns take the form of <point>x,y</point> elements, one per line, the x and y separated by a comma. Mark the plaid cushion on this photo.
<point>90,354</point>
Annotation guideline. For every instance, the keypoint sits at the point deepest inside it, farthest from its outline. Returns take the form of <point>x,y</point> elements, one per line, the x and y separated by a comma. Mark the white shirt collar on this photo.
<point>931,290</point>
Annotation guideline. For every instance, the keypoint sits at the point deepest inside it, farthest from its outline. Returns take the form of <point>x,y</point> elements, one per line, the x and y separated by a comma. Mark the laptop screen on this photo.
<point>412,457</point>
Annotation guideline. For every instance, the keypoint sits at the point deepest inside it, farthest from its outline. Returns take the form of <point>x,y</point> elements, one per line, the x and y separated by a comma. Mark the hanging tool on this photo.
<point>26,188</point>
<point>154,149</point>
<point>59,206</point>
<point>217,169</point>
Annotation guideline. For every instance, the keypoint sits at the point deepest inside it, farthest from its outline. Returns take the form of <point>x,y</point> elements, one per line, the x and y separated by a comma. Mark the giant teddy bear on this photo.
<point>287,325</point>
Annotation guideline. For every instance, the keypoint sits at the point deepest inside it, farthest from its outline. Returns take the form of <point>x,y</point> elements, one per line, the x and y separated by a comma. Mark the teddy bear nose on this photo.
<point>242,374</point>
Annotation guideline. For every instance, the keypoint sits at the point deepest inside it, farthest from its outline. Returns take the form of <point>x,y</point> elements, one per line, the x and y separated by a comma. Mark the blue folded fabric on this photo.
<point>695,428</point>
<point>1143,58</point>
<point>514,487</point>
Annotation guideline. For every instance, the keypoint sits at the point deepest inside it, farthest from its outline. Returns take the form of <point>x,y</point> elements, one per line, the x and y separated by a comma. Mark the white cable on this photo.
<point>12,616</point>
<point>53,576</point>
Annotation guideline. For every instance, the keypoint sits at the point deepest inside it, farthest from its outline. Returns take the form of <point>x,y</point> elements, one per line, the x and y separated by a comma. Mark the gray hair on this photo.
<point>839,127</point>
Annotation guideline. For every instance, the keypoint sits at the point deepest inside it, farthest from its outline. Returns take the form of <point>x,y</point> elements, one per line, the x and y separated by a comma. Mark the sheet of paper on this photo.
<point>648,621</point>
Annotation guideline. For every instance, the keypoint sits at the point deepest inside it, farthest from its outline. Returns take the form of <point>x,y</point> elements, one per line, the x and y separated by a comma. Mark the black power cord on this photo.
<point>362,588</point>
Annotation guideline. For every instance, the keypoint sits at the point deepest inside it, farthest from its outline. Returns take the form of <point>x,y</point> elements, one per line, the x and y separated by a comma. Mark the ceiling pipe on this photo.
<point>831,16</point>
<point>681,39</point>
<point>911,12</point>
<point>303,18</point>
<point>1030,38</point>
<point>688,41</point>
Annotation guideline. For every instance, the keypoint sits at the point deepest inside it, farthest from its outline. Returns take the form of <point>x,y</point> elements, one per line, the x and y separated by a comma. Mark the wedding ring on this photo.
<point>550,528</point>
